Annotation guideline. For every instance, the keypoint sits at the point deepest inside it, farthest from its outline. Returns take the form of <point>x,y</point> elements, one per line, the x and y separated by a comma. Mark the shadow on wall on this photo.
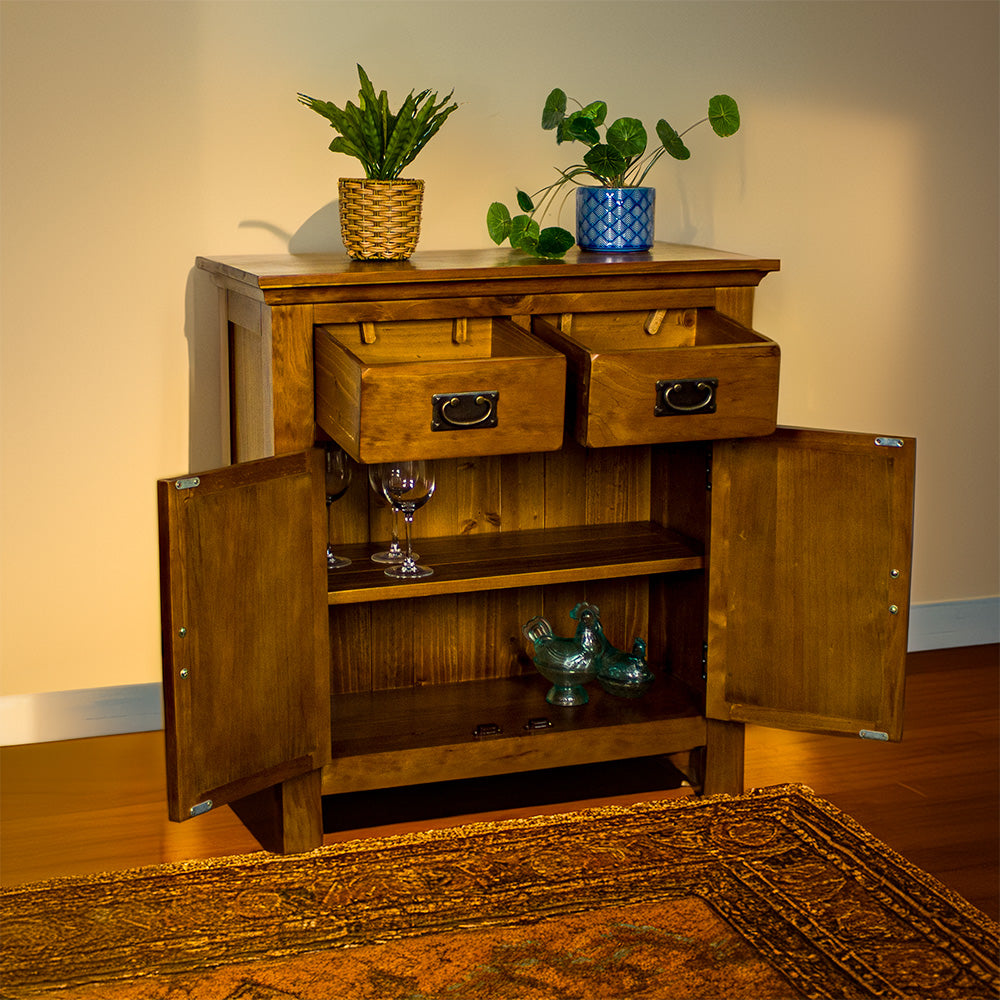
<point>208,419</point>
<point>320,233</point>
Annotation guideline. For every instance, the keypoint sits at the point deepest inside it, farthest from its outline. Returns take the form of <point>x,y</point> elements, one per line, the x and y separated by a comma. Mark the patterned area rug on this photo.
<point>775,894</point>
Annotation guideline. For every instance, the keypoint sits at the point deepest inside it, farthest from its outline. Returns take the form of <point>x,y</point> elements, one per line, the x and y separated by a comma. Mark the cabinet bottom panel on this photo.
<point>550,750</point>
<point>388,739</point>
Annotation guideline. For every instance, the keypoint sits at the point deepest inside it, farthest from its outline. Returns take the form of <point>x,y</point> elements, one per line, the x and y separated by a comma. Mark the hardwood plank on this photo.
<point>99,804</point>
<point>933,797</point>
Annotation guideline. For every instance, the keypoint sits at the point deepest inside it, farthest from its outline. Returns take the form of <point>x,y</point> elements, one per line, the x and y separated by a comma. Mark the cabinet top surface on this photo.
<point>306,270</point>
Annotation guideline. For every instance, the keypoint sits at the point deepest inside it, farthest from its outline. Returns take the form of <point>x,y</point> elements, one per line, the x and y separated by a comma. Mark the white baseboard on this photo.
<point>954,623</point>
<point>137,708</point>
<point>73,715</point>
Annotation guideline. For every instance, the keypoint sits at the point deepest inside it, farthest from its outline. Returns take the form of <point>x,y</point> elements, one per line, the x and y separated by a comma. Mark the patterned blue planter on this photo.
<point>615,219</point>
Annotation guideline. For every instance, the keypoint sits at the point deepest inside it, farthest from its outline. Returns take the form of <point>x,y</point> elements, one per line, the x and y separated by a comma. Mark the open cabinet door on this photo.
<point>809,581</point>
<point>245,632</point>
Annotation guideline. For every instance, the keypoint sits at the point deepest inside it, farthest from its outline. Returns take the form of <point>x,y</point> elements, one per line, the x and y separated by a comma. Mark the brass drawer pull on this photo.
<point>464,410</point>
<point>681,396</point>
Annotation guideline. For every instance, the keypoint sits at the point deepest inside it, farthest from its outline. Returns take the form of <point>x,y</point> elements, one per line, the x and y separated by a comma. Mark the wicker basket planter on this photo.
<point>380,220</point>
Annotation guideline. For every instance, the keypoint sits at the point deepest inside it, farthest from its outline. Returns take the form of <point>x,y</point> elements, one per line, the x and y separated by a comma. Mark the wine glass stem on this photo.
<point>395,531</point>
<point>408,521</point>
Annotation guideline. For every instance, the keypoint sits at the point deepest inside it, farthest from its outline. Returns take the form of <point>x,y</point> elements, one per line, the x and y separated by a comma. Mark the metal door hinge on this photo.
<point>187,484</point>
<point>704,661</point>
<point>889,442</point>
<point>873,734</point>
<point>201,807</point>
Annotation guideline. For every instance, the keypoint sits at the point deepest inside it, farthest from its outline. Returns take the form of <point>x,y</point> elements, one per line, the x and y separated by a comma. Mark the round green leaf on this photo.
<point>672,142</point>
<point>724,115</point>
<point>523,232</point>
<point>554,110</point>
<point>579,126</point>
<point>498,222</point>
<point>596,111</point>
<point>628,136</point>
<point>605,162</point>
<point>554,242</point>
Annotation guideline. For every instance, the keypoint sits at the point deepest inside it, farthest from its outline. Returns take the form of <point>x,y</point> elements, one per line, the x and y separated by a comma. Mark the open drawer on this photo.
<point>435,388</point>
<point>665,375</point>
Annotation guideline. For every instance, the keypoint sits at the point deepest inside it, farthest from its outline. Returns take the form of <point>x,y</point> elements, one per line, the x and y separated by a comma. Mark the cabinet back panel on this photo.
<point>449,638</point>
<point>465,637</point>
<point>510,493</point>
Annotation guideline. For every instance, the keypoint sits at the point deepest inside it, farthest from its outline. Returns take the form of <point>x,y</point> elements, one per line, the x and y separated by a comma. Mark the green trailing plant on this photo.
<point>383,142</point>
<point>616,160</point>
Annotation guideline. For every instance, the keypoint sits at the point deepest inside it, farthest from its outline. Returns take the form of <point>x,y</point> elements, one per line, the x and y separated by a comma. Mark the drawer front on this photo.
<point>679,395</point>
<point>664,376</point>
<point>492,389</point>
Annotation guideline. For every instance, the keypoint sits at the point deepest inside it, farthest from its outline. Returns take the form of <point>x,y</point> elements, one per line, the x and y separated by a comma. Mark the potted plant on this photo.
<point>380,213</point>
<point>616,213</point>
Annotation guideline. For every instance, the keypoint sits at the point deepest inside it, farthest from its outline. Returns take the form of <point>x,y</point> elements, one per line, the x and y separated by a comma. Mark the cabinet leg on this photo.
<point>286,818</point>
<point>723,758</point>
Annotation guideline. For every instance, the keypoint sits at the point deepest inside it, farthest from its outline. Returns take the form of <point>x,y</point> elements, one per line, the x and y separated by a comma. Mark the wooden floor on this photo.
<point>98,804</point>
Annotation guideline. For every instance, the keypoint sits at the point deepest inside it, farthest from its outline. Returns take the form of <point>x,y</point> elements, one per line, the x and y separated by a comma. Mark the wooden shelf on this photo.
<point>390,738</point>
<point>464,564</point>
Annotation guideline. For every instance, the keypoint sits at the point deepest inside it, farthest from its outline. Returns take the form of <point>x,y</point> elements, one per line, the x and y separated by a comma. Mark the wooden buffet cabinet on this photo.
<point>613,441</point>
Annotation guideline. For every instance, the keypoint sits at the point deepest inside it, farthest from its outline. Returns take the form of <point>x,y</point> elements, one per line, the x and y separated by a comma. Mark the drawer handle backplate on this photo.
<point>456,411</point>
<point>677,397</point>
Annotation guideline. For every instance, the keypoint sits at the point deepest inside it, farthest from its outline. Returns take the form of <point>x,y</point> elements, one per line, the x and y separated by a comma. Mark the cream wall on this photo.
<point>137,135</point>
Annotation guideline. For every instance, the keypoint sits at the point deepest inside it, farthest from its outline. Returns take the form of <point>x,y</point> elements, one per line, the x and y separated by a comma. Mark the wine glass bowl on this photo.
<point>407,486</point>
<point>393,554</point>
<point>337,474</point>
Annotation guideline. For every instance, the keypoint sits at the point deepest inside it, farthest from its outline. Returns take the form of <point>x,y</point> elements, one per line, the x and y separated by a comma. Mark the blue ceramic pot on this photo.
<point>616,220</point>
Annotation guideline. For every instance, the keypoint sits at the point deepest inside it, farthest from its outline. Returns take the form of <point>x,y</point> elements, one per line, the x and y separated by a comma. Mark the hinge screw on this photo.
<point>893,609</point>
<point>182,632</point>
<point>184,672</point>
<point>894,573</point>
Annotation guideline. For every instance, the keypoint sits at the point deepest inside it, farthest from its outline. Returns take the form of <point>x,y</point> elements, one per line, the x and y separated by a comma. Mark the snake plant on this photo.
<point>618,160</point>
<point>383,142</point>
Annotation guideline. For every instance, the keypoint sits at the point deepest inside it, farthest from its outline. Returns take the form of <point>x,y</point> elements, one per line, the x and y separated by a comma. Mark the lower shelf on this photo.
<point>388,739</point>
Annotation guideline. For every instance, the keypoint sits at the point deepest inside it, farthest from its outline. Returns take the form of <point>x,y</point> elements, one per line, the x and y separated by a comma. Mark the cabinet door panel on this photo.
<point>245,642</point>
<point>809,581</point>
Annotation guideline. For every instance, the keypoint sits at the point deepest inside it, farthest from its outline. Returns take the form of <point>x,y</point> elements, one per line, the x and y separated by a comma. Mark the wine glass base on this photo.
<point>391,557</point>
<point>408,572</point>
<point>337,562</point>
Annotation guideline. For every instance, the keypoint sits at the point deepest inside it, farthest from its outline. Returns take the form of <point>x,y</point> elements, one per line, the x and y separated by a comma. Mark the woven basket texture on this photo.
<point>380,220</point>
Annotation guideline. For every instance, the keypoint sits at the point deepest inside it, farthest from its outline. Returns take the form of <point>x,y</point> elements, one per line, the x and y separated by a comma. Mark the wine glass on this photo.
<point>407,486</point>
<point>394,554</point>
<point>337,470</point>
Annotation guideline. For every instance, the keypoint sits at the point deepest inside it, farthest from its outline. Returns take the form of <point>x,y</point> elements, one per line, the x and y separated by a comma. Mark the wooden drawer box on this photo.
<point>451,388</point>
<point>665,375</point>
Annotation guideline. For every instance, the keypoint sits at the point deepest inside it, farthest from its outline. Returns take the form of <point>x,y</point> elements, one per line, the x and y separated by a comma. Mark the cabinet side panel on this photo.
<point>250,391</point>
<point>293,378</point>
<point>737,303</point>
<point>678,627</point>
